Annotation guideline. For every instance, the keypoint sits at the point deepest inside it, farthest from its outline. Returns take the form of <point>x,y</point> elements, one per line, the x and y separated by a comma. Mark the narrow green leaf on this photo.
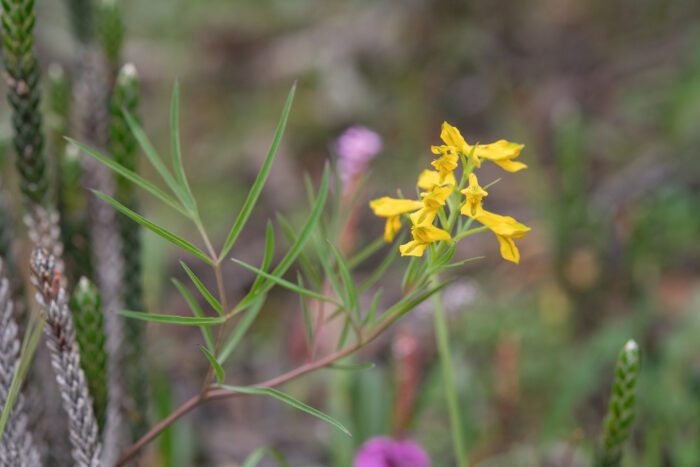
<point>369,319</point>
<point>304,261</point>
<point>410,272</point>
<point>175,143</point>
<point>267,257</point>
<point>241,329</point>
<point>257,187</point>
<point>203,290</point>
<point>346,278</point>
<point>256,456</point>
<point>220,375</point>
<point>288,400</point>
<point>286,284</point>
<point>153,157</point>
<point>323,256</point>
<point>350,367</point>
<point>383,266</point>
<point>297,246</point>
<point>463,262</point>
<point>172,238</point>
<point>131,176</point>
<point>308,319</point>
<point>366,252</point>
<point>197,310</point>
<point>169,319</point>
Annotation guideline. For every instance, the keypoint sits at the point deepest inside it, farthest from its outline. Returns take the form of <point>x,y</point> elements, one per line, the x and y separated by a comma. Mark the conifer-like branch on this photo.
<point>22,77</point>
<point>17,446</point>
<point>621,409</point>
<point>65,359</point>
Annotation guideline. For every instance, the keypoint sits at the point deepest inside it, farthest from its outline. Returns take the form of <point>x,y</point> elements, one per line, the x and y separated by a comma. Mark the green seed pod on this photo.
<point>620,414</point>
<point>90,335</point>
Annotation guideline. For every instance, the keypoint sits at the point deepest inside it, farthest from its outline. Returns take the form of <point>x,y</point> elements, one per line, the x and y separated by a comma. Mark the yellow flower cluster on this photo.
<point>439,184</point>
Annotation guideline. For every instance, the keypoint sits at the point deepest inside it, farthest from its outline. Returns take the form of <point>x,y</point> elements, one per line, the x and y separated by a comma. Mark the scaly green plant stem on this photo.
<point>443,343</point>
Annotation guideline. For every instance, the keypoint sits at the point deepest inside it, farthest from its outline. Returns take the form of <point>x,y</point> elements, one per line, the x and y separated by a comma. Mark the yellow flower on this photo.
<point>423,235</point>
<point>432,202</point>
<point>445,165</point>
<point>501,152</point>
<point>506,229</point>
<point>392,209</point>
<point>474,194</point>
<point>430,179</point>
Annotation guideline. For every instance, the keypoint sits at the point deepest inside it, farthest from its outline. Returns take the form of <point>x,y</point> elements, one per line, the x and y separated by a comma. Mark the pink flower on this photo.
<point>356,147</point>
<point>383,451</point>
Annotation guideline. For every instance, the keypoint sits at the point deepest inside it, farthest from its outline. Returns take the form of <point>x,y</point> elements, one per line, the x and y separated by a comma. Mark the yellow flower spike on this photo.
<point>430,179</point>
<point>474,194</point>
<point>392,209</point>
<point>423,235</point>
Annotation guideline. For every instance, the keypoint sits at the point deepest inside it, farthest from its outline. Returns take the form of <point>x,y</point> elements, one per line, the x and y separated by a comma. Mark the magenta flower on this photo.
<point>356,147</point>
<point>383,451</point>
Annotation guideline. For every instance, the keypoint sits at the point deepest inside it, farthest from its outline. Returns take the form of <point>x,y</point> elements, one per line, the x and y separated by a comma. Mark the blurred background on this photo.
<point>605,95</point>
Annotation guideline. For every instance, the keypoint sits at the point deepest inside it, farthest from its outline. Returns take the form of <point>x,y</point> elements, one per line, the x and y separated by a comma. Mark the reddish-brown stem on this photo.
<point>212,394</point>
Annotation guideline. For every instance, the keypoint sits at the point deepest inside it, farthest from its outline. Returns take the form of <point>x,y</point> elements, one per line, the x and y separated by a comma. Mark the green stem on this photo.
<point>443,343</point>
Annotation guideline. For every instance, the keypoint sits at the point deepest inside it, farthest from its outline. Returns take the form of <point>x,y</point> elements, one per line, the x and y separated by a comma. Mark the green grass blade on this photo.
<point>153,157</point>
<point>131,176</point>
<point>256,456</point>
<point>241,329</point>
<point>288,400</point>
<point>197,311</point>
<point>169,319</point>
<point>298,245</point>
<point>257,187</point>
<point>177,153</point>
<point>169,236</point>
<point>203,290</point>
<point>286,284</point>
<point>220,375</point>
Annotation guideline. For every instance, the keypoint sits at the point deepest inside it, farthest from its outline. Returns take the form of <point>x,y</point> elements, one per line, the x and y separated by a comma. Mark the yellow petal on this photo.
<point>508,249</point>
<point>393,225</point>
<point>503,225</point>
<point>500,150</point>
<point>388,207</point>
<point>511,166</point>
<point>452,137</point>
<point>427,233</point>
<point>435,199</point>
<point>424,216</point>
<point>413,248</point>
<point>430,179</point>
